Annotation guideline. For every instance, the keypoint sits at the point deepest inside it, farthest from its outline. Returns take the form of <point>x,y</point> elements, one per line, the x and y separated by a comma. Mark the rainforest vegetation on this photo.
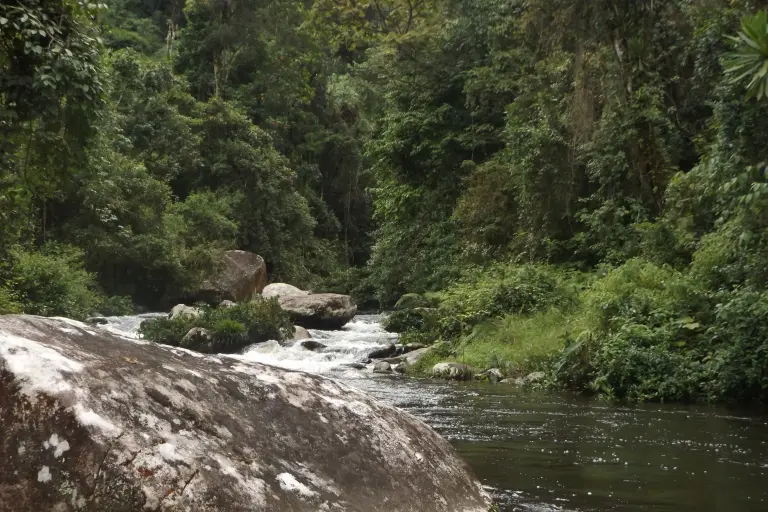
<point>577,187</point>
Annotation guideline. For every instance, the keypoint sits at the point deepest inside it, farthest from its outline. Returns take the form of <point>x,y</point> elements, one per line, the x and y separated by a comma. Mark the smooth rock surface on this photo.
<point>282,290</point>
<point>182,311</point>
<point>319,310</point>
<point>300,333</point>
<point>453,371</point>
<point>415,356</point>
<point>96,422</point>
<point>379,353</point>
<point>243,275</point>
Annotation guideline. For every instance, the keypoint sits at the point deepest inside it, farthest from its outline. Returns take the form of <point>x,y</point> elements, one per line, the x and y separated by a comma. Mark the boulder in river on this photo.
<point>300,333</point>
<point>282,290</point>
<point>92,421</point>
<point>319,310</point>
<point>312,345</point>
<point>242,276</point>
<point>96,320</point>
<point>184,311</point>
<point>380,353</point>
<point>453,371</point>
<point>382,367</point>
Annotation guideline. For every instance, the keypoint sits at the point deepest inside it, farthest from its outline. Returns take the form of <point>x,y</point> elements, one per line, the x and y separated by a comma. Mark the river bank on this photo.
<point>541,451</point>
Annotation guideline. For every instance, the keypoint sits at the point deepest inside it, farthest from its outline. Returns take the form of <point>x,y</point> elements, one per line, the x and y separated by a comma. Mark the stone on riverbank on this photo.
<point>452,371</point>
<point>381,353</point>
<point>92,421</point>
<point>184,311</point>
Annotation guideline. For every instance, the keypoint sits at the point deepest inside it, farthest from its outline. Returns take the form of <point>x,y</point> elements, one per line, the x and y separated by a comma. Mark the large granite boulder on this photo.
<point>282,290</point>
<point>242,276</point>
<point>94,422</point>
<point>319,310</point>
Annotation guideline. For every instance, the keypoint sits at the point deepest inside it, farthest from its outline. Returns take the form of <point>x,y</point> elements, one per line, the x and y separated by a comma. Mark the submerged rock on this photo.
<point>382,367</point>
<point>453,371</point>
<point>184,311</point>
<point>319,310</point>
<point>95,422</point>
<point>243,275</point>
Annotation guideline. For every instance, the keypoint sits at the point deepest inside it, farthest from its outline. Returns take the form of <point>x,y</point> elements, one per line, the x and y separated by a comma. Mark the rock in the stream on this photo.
<point>400,368</point>
<point>312,345</point>
<point>94,422</point>
<point>243,275</point>
<point>379,353</point>
<point>492,375</point>
<point>382,367</point>
<point>96,320</point>
<point>453,371</point>
<point>415,356</point>
<point>533,378</point>
<point>198,338</point>
<point>282,290</point>
<point>184,311</point>
<point>356,366</point>
<point>319,310</point>
<point>300,333</point>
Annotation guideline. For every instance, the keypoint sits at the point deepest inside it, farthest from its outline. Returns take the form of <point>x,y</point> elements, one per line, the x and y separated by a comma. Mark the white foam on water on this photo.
<point>353,343</point>
<point>128,326</point>
<point>348,345</point>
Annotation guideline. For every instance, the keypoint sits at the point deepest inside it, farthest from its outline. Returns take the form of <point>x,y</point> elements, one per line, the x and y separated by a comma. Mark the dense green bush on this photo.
<point>502,290</point>
<point>53,282</point>
<point>231,329</point>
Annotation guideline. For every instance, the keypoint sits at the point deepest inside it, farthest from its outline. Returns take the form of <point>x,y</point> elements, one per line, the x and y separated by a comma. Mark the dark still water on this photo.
<point>543,451</point>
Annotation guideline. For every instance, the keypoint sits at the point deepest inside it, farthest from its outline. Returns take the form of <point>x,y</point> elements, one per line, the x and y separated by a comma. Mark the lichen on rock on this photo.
<point>96,422</point>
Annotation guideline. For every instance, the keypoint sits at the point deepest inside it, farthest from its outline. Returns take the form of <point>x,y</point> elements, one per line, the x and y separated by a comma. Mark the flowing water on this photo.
<point>552,452</point>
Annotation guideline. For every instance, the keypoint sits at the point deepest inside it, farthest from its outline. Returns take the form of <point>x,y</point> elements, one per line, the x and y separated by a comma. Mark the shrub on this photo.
<point>53,282</point>
<point>231,328</point>
<point>8,303</point>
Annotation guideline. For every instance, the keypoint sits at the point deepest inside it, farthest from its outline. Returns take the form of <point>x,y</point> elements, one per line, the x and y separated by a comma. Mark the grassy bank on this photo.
<point>639,332</point>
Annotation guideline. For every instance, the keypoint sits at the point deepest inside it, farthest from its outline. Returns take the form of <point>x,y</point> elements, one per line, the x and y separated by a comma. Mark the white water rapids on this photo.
<point>351,344</point>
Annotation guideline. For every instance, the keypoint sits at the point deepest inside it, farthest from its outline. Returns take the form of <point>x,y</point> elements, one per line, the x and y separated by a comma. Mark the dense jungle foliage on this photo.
<point>577,187</point>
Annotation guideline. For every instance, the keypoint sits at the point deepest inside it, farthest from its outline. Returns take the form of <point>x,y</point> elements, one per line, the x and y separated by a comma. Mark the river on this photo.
<point>553,451</point>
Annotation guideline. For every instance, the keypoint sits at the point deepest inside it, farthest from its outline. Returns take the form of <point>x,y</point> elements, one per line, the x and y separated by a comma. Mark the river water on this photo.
<point>557,452</point>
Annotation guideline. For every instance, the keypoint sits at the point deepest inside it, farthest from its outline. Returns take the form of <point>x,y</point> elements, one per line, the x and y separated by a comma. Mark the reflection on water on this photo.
<point>547,452</point>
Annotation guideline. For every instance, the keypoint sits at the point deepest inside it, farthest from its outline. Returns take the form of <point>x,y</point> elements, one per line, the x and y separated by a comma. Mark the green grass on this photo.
<point>516,344</point>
